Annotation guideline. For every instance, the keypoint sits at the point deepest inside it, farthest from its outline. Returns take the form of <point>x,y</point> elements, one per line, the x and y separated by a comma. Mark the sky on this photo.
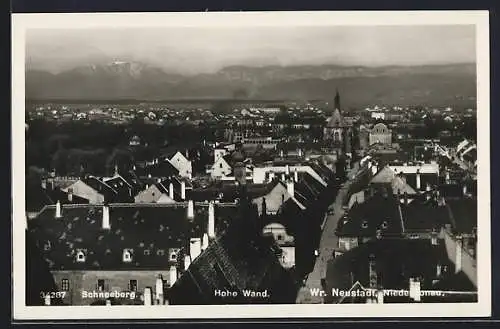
<point>192,50</point>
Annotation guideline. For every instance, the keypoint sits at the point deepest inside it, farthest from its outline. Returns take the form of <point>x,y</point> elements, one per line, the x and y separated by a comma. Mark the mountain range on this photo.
<point>451,84</point>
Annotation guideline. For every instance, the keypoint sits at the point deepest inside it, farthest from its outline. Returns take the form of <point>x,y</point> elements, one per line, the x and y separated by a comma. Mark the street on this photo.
<point>328,243</point>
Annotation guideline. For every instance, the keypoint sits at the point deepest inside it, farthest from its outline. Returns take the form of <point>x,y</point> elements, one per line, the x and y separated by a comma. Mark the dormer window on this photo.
<point>173,254</point>
<point>127,255</point>
<point>160,252</point>
<point>384,224</point>
<point>146,252</point>
<point>364,224</point>
<point>80,256</point>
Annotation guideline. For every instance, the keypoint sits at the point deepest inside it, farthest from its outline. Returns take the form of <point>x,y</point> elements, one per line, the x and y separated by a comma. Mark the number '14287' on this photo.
<point>53,294</point>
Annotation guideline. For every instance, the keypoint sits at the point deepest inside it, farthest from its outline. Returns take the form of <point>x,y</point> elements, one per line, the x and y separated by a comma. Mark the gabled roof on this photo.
<point>366,218</point>
<point>142,227</point>
<point>236,261</point>
<point>394,262</point>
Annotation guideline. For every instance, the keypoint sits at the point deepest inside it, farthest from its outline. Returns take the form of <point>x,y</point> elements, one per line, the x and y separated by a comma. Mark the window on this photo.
<point>146,252</point>
<point>280,237</point>
<point>364,224</point>
<point>220,165</point>
<point>132,286</point>
<point>100,285</point>
<point>127,255</point>
<point>64,284</point>
<point>160,252</point>
<point>80,256</point>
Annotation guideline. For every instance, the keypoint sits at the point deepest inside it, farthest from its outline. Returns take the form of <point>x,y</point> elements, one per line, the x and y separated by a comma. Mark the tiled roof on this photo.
<point>463,212</point>
<point>148,229</point>
<point>378,212</point>
<point>236,261</point>
<point>423,215</point>
<point>394,261</point>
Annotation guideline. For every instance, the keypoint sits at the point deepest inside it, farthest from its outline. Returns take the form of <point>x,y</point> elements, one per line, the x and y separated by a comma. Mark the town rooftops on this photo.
<point>148,231</point>
<point>394,261</point>
<point>381,213</point>
<point>236,263</point>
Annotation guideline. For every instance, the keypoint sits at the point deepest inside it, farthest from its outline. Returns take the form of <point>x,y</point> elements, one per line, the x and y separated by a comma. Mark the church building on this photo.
<point>337,132</point>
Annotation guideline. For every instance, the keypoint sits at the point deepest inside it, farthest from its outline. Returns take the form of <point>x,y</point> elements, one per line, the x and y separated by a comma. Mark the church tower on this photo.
<point>336,100</point>
<point>334,130</point>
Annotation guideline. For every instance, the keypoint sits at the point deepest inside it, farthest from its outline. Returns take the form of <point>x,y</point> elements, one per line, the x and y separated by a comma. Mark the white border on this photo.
<point>21,22</point>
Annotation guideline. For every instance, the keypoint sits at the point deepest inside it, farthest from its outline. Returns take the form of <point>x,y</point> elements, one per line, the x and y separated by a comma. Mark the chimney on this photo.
<point>158,180</point>
<point>105,217</point>
<point>187,262</point>
<point>415,289</point>
<point>134,168</point>
<point>211,220</point>
<point>70,194</point>
<point>281,153</point>
<point>283,177</point>
<point>173,275</point>
<point>287,169</point>
<point>159,290</point>
<point>58,209</point>
<point>458,254</point>
<point>290,188</point>
<point>194,248</point>
<point>204,242</point>
<point>183,190</point>
<point>418,179</point>
<point>171,190</point>
<point>190,209</point>
<point>380,296</point>
<point>147,296</point>
<point>374,169</point>
<point>187,154</point>
<point>434,238</point>
<point>296,176</point>
<point>116,170</point>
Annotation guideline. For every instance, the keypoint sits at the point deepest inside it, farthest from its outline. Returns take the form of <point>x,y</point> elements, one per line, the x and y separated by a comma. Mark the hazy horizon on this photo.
<point>192,50</point>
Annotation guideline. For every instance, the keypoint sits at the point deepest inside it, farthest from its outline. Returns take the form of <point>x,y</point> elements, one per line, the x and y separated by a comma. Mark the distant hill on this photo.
<point>453,84</point>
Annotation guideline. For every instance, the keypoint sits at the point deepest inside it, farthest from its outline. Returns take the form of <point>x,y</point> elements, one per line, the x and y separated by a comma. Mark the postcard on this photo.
<point>239,165</point>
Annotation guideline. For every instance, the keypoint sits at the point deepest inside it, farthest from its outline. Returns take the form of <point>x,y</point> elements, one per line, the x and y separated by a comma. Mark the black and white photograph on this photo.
<point>251,165</point>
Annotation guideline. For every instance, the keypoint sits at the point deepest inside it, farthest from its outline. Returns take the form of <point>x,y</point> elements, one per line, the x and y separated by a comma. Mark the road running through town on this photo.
<point>327,245</point>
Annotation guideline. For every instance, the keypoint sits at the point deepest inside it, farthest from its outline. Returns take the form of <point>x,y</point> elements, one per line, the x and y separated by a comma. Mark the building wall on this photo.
<point>182,164</point>
<point>220,169</point>
<point>82,190</point>
<point>348,243</point>
<point>468,263</point>
<point>274,199</point>
<point>383,138</point>
<point>80,281</point>
<point>287,259</point>
<point>149,195</point>
<point>358,197</point>
<point>259,173</point>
